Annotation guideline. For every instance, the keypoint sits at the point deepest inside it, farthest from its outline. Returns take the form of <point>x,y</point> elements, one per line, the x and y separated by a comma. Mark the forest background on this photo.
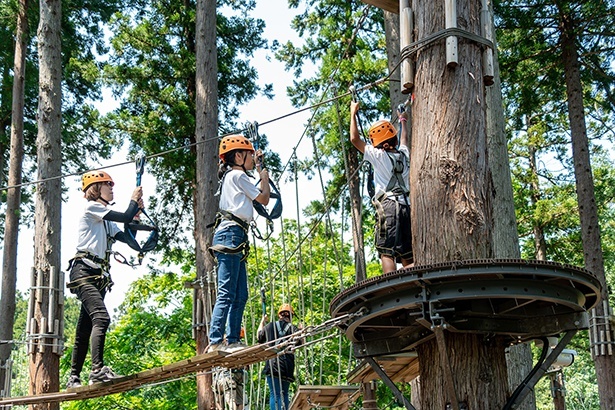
<point>148,69</point>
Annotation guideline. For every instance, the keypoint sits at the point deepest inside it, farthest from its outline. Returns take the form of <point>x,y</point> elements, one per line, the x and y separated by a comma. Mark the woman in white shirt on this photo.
<point>89,271</point>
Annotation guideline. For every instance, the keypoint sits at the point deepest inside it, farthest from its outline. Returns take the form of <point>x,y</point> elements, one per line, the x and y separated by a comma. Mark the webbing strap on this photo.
<point>396,183</point>
<point>230,217</point>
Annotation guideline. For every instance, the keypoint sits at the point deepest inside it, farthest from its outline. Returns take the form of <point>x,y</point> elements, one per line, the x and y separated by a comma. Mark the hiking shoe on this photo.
<point>104,374</point>
<point>215,348</point>
<point>73,382</point>
<point>234,347</point>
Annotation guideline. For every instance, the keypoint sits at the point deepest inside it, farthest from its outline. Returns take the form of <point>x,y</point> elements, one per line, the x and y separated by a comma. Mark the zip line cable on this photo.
<point>193,144</point>
<point>162,153</point>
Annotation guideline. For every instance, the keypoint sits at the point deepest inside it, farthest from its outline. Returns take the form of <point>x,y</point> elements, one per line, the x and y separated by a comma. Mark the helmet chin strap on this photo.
<point>105,201</point>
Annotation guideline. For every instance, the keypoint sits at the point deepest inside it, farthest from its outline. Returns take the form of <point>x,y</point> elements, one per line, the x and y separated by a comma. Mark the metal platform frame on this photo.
<point>520,299</point>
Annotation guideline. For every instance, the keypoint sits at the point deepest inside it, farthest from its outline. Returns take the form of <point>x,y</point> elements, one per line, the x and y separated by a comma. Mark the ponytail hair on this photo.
<point>223,168</point>
<point>389,144</point>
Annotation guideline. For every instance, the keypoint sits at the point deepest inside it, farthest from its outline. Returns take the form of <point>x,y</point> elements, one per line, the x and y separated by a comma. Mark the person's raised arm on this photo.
<point>263,197</point>
<point>136,202</point>
<point>260,332</point>
<point>355,137</point>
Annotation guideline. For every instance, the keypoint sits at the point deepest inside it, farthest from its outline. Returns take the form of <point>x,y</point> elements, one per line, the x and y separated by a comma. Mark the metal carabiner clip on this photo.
<point>140,165</point>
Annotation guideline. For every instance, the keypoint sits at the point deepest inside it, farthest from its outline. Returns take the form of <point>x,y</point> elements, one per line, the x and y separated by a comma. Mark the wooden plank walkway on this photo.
<point>201,363</point>
<point>325,397</point>
<point>402,367</point>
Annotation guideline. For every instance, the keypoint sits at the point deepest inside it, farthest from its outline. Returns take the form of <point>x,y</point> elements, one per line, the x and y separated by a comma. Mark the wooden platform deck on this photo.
<point>324,397</point>
<point>402,367</point>
<point>201,363</point>
<point>388,5</point>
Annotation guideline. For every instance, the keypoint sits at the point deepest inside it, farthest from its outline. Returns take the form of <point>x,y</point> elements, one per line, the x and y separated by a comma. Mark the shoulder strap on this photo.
<point>281,332</point>
<point>398,164</point>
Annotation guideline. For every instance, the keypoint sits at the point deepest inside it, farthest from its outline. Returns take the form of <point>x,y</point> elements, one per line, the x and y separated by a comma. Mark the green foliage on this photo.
<point>529,37</point>
<point>82,43</point>
<point>151,71</point>
<point>154,329</point>
<point>306,266</point>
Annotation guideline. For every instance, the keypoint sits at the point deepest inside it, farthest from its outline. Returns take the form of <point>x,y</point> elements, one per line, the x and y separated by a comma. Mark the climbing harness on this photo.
<point>243,248</point>
<point>101,280</point>
<point>131,228</point>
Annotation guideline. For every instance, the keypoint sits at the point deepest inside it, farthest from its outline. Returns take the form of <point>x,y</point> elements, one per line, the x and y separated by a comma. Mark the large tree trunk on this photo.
<point>450,194</point>
<point>44,361</point>
<point>13,196</point>
<point>601,335</point>
<point>206,204</point>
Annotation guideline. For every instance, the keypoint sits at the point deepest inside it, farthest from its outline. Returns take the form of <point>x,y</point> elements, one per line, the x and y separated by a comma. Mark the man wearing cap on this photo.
<point>279,371</point>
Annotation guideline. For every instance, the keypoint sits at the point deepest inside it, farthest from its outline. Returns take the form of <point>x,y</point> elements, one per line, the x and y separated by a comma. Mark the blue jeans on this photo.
<point>232,293</point>
<point>278,393</point>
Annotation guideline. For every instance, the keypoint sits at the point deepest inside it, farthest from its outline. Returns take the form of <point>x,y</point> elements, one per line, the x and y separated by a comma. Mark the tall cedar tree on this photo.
<point>571,40</point>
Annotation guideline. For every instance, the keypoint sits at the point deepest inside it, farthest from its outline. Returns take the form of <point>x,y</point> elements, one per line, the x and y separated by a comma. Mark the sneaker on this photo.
<point>215,348</point>
<point>234,347</point>
<point>104,374</point>
<point>73,382</point>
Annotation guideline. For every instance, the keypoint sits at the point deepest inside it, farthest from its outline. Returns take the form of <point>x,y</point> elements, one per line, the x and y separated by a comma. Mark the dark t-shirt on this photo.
<point>282,365</point>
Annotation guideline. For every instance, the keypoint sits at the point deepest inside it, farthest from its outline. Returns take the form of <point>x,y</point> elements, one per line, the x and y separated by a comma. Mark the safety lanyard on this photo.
<point>131,227</point>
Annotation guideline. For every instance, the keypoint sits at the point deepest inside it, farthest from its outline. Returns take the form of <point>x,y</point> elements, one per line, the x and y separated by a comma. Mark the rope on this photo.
<point>414,47</point>
<point>193,144</point>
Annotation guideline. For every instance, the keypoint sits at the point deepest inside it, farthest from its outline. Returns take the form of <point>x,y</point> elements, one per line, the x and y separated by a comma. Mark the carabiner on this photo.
<point>140,165</point>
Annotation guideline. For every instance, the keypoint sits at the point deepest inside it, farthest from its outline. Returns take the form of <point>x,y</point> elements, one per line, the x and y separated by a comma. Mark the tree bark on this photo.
<point>601,335</point>
<point>44,362</point>
<point>13,196</point>
<point>206,204</point>
<point>451,199</point>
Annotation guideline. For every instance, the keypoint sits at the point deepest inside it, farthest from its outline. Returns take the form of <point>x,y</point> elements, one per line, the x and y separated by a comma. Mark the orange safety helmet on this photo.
<point>233,142</point>
<point>381,131</point>
<point>93,177</point>
<point>286,307</point>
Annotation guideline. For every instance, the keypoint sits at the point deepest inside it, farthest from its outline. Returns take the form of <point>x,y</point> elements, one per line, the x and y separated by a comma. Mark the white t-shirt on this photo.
<point>238,192</point>
<point>91,230</point>
<point>383,168</point>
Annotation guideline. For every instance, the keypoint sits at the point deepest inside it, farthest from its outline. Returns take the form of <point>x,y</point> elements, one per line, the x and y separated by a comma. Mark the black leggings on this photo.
<point>93,320</point>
